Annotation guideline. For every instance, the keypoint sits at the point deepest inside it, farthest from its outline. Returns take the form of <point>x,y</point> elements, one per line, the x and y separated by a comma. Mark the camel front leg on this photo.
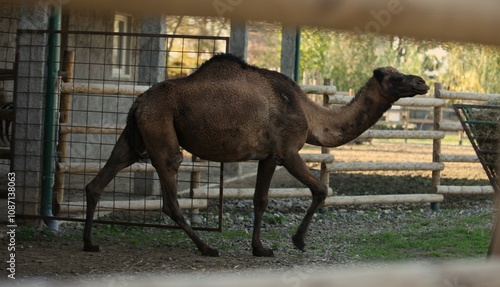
<point>265,173</point>
<point>298,168</point>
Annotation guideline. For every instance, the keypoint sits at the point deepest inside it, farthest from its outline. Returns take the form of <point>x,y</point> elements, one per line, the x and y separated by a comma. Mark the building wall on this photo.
<point>93,65</point>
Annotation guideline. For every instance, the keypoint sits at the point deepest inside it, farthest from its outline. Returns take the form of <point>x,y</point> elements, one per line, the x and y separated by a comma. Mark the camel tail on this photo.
<point>133,134</point>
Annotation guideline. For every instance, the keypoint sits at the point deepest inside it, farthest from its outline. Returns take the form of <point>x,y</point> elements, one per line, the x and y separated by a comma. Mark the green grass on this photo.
<point>444,237</point>
<point>26,234</point>
<point>445,244</point>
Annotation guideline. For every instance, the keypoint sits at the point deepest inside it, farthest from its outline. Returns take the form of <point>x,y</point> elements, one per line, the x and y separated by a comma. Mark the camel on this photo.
<point>230,111</point>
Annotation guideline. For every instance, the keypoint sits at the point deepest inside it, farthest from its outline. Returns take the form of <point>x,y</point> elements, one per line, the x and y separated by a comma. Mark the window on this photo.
<point>122,49</point>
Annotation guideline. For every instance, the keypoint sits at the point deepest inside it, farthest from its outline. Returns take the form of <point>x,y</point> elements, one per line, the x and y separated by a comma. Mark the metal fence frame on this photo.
<point>96,61</point>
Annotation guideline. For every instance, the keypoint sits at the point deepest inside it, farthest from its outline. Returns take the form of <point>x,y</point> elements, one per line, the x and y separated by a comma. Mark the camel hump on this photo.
<point>223,67</point>
<point>230,67</point>
<point>225,59</point>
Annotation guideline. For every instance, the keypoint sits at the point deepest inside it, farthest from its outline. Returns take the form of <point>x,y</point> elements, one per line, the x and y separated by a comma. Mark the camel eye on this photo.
<point>397,79</point>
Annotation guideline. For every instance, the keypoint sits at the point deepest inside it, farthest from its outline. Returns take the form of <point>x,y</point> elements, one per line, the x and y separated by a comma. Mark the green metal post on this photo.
<point>436,146</point>
<point>50,129</point>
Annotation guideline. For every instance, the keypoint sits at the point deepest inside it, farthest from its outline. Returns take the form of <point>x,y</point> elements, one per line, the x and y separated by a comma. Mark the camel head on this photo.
<point>395,85</point>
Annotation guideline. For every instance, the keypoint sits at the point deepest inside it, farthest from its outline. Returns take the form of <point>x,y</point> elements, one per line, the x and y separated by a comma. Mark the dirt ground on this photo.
<point>45,257</point>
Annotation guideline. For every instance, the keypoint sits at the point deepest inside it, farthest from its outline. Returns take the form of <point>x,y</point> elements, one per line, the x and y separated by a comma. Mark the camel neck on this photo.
<point>335,127</point>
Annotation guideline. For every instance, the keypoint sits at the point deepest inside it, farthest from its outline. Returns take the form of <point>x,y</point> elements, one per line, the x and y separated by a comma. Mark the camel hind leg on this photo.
<point>121,157</point>
<point>264,175</point>
<point>164,151</point>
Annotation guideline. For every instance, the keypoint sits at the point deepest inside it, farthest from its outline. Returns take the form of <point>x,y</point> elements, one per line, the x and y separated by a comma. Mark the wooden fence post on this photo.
<point>324,174</point>
<point>65,106</point>
<point>436,146</point>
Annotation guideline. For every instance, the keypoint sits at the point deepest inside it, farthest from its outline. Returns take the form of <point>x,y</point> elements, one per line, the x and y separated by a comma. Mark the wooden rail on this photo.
<point>374,166</point>
<point>414,102</point>
<point>136,167</point>
<point>454,190</point>
<point>248,193</point>
<point>143,204</point>
<point>135,90</point>
<point>396,134</point>
<point>445,94</point>
<point>383,199</point>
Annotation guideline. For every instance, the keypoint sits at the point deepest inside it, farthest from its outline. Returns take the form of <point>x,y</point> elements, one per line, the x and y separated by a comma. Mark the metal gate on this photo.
<point>100,75</point>
<point>8,26</point>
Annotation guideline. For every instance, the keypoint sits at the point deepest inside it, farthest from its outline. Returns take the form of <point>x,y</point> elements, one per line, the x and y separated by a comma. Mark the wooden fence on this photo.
<point>439,160</point>
<point>435,166</point>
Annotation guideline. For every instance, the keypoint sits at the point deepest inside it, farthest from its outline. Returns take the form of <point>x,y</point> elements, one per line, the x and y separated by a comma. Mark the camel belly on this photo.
<point>224,128</point>
<point>225,145</point>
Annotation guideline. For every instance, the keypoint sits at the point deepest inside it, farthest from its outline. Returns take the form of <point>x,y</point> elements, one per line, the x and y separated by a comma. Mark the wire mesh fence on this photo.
<point>481,123</point>
<point>8,26</point>
<point>100,76</point>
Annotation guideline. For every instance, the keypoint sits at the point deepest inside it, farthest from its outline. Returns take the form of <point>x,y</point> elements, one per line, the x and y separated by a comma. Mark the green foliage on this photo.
<point>264,44</point>
<point>471,67</point>
<point>348,59</point>
<point>338,56</point>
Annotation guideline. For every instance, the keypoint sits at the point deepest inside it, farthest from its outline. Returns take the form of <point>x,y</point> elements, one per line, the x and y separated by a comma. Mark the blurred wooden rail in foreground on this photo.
<point>448,20</point>
<point>465,274</point>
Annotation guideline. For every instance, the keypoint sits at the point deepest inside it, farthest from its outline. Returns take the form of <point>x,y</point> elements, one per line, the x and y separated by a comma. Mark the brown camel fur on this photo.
<point>230,111</point>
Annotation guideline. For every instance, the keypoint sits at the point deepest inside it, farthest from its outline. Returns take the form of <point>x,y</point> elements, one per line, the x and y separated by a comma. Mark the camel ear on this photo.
<point>378,74</point>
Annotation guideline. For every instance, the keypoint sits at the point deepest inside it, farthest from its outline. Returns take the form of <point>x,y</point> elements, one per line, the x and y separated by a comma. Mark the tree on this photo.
<point>471,67</point>
<point>348,59</point>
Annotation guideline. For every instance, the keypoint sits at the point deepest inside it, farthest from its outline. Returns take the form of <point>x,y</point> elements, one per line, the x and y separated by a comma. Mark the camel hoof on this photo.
<point>263,252</point>
<point>91,248</point>
<point>210,252</point>
<point>299,243</point>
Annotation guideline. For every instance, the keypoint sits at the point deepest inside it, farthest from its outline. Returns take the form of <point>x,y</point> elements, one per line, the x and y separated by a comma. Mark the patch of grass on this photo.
<point>446,244</point>
<point>27,234</point>
<point>273,235</point>
<point>274,218</point>
<point>444,237</point>
<point>234,234</point>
